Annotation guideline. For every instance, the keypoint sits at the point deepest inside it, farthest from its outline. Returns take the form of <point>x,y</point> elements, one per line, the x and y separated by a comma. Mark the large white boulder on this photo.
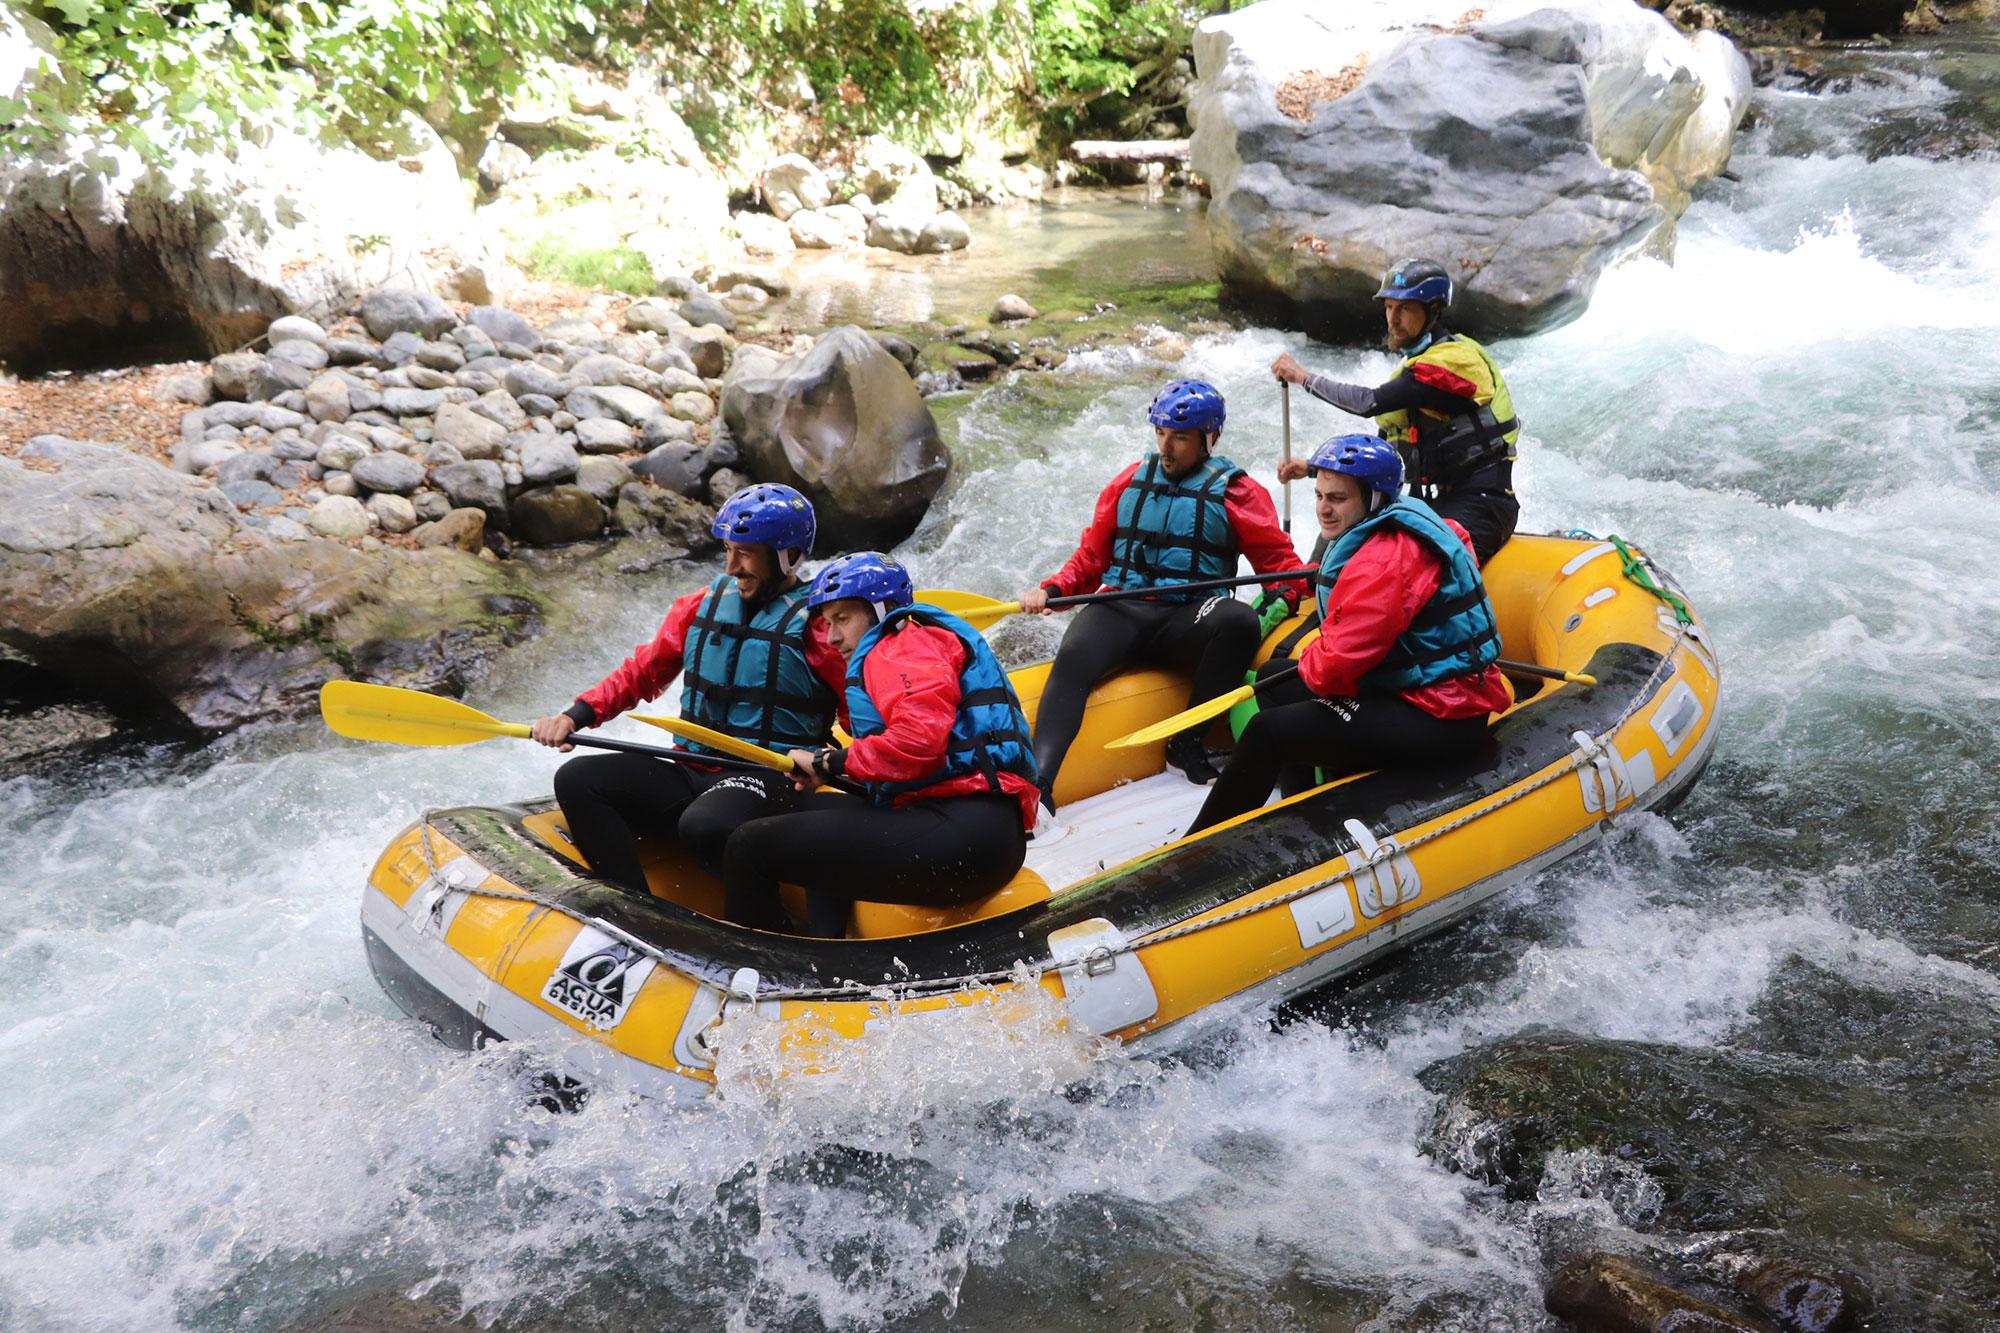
<point>1527,145</point>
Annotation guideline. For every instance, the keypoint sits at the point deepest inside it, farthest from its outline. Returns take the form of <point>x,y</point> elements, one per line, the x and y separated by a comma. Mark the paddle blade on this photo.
<point>974,610</point>
<point>406,717</point>
<point>719,741</point>
<point>1180,722</point>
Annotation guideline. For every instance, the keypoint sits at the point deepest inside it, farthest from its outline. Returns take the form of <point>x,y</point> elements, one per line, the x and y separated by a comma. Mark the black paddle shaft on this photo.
<point>1084,597</point>
<point>691,757</point>
<point>663,752</point>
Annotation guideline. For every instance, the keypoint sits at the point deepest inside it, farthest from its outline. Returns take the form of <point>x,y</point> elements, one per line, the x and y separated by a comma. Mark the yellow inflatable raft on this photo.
<point>484,923</point>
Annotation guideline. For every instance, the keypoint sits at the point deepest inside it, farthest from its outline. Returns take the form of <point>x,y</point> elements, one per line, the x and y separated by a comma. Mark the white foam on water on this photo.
<point>213,1118</point>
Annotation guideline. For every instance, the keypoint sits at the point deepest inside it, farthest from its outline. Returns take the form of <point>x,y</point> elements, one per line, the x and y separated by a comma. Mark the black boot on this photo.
<point>1187,753</point>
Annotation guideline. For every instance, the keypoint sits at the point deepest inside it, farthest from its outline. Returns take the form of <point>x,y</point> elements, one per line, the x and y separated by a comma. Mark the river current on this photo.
<point>212,1118</point>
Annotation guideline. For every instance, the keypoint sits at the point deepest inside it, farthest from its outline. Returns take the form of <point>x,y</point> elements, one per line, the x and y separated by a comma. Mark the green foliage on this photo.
<point>154,76</point>
<point>615,268</point>
<point>1110,64</point>
<point>889,66</point>
<point>158,75</point>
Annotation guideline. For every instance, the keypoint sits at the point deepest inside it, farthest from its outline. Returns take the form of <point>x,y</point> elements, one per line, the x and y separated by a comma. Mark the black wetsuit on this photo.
<point>1482,502</point>
<point>606,796</point>
<point>1215,639</point>
<point>1296,731</point>
<point>935,852</point>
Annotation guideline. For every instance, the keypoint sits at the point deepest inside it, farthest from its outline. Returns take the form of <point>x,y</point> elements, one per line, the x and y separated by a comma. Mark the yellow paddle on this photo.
<point>717,740</point>
<point>730,745</point>
<point>976,611</point>
<point>1222,703</point>
<point>1180,722</point>
<point>411,717</point>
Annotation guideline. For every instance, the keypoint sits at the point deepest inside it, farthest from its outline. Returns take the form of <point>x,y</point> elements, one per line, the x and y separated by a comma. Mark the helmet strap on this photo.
<point>789,559</point>
<point>881,611</point>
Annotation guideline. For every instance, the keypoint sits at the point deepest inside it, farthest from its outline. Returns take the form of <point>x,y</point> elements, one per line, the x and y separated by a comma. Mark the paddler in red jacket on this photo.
<point>940,749</point>
<point>755,666</point>
<point>1178,515</point>
<point>1402,672</point>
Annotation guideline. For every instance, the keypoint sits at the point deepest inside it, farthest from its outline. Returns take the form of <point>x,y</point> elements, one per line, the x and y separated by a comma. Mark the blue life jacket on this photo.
<point>746,672</point>
<point>1455,632</point>
<point>990,734</point>
<point>1173,531</point>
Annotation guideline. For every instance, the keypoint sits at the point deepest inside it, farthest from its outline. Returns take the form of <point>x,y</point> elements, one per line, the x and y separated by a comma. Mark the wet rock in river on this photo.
<point>1604,1293</point>
<point>1805,1298</point>
<point>1331,154</point>
<point>844,424</point>
<point>897,229</point>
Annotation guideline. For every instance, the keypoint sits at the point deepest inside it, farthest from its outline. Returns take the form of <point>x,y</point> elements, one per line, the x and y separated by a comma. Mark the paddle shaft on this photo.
<point>1546,673</point>
<point>1122,594</point>
<point>662,752</point>
<point>1285,396</point>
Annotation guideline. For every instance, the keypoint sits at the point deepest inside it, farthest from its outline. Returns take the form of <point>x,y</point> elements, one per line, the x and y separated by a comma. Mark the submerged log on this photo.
<point>1098,151</point>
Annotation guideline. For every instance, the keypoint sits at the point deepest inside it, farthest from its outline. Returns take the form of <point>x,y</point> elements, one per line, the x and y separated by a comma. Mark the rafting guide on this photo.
<point>1447,408</point>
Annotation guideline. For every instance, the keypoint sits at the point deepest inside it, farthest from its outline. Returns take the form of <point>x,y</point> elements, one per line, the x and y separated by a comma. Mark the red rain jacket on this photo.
<point>912,675</point>
<point>1379,593</point>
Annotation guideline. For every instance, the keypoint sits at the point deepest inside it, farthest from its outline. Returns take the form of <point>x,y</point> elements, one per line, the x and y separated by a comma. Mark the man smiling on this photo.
<point>755,666</point>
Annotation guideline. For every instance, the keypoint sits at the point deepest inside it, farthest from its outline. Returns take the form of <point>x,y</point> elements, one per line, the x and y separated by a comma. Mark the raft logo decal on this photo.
<point>597,979</point>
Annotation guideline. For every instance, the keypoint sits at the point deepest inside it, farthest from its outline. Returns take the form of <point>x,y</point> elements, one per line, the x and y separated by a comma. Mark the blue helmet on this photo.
<point>771,515</point>
<point>1188,405</point>
<point>1416,280</point>
<point>867,576</point>
<point>1369,459</point>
